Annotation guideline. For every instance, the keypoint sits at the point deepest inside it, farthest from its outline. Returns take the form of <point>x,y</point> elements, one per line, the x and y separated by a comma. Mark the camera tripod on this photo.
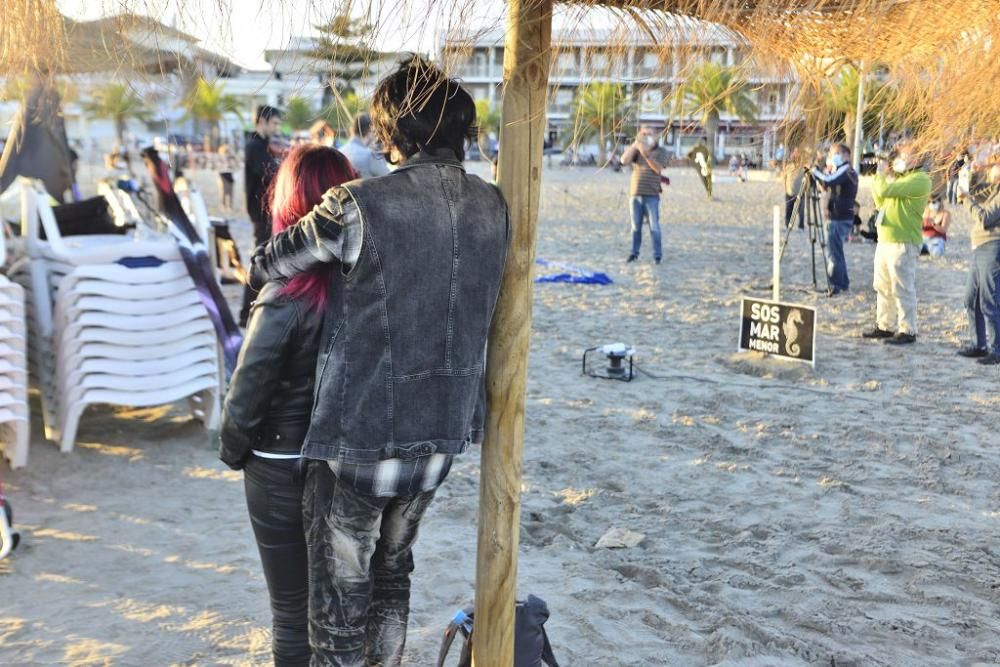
<point>808,207</point>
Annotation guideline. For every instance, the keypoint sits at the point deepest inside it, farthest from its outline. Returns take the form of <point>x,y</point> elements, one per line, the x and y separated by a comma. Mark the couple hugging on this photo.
<point>362,372</point>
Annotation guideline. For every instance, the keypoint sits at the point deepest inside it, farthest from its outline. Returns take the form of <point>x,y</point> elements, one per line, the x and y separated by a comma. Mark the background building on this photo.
<point>649,74</point>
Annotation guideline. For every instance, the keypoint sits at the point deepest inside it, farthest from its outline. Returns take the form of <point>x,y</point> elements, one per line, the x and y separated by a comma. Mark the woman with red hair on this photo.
<point>267,410</point>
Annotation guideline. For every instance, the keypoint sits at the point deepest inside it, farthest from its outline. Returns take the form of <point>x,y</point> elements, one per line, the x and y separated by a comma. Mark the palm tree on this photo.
<point>840,100</point>
<point>119,102</point>
<point>712,90</point>
<point>298,113</point>
<point>487,117</point>
<point>342,110</point>
<point>209,102</point>
<point>599,111</point>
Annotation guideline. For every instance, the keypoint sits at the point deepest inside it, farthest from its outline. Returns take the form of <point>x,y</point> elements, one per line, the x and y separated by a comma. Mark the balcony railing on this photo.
<point>473,71</point>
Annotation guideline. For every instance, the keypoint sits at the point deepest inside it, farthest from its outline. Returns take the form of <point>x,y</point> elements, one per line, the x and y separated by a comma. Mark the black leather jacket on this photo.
<point>270,395</point>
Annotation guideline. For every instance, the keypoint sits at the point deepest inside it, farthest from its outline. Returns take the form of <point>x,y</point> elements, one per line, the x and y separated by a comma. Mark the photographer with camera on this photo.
<point>840,183</point>
<point>902,195</point>
<point>982,292</point>
<point>647,158</point>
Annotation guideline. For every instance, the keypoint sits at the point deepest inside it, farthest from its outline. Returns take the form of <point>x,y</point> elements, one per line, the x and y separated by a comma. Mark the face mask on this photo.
<point>649,141</point>
<point>935,206</point>
<point>899,165</point>
<point>837,160</point>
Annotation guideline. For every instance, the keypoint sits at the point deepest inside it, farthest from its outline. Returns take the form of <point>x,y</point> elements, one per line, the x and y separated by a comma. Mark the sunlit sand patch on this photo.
<point>205,620</point>
<point>643,415</point>
<point>143,414</point>
<point>83,651</point>
<point>56,578</point>
<point>128,548</point>
<point>79,507</point>
<point>575,496</point>
<point>199,472</point>
<point>9,626</point>
<point>991,399</point>
<point>830,483</point>
<point>200,565</point>
<point>68,535</point>
<point>131,453</point>
<point>732,467</point>
<point>137,520</point>
<point>684,420</point>
<point>699,461</point>
<point>146,612</point>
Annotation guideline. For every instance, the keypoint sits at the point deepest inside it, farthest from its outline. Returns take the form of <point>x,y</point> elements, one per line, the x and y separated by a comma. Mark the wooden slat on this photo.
<point>526,67</point>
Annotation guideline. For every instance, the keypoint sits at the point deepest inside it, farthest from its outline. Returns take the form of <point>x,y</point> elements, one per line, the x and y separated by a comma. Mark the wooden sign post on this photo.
<point>526,71</point>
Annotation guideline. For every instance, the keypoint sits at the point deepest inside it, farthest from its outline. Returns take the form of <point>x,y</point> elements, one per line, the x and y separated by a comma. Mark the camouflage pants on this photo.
<point>360,551</point>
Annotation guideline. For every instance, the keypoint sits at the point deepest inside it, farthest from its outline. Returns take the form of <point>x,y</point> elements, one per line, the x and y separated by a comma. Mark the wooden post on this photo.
<point>526,70</point>
<point>859,127</point>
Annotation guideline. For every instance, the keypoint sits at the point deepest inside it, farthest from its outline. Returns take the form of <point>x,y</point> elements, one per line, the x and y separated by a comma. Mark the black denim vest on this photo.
<point>401,372</point>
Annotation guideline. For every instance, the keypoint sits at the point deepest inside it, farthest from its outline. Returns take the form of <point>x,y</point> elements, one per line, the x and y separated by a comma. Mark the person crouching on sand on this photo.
<point>417,257</point>
<point>266,412</point>
<point>937,219</point>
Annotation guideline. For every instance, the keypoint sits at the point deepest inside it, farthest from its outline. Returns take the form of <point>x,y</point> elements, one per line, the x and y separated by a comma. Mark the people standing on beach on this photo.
<point>937,219</point>
<point>647,158</point>
<point>954,169</point>
<point>359,151</point>
<point>902,195</point>
<point>416,259</point>
<point>840,184</point>
<point>266,412</point>
<point>982,291</point>
<point>225,178</point>
<point>260,168</point>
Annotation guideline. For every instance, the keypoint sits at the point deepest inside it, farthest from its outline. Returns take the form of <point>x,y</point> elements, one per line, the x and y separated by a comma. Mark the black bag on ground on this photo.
<point>89,216</point>
<point>531,643</point>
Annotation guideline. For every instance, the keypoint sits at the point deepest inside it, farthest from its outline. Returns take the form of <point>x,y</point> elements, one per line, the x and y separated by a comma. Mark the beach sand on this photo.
<point>846,515</point>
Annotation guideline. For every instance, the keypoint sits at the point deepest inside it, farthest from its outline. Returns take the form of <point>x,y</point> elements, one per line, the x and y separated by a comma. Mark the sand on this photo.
<point>845,515</point>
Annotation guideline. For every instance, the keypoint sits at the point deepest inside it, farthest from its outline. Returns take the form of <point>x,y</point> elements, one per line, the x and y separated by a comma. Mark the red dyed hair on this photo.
<point>307,172</point>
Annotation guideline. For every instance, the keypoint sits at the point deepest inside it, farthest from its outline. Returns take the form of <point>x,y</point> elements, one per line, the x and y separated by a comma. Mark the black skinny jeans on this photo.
<point>274,500</point>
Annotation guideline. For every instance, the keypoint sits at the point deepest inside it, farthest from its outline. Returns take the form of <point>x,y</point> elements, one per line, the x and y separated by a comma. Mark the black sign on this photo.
<point>780,329</point>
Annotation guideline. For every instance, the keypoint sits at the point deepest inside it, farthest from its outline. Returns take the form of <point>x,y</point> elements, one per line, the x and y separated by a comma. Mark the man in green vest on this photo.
<point>901,195</point>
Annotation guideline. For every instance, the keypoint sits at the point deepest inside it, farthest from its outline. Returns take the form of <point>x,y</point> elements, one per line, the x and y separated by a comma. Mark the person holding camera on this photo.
<point>647,158</point>
<point>902,196</point>
<point>982,291</point>
<point>840,183</point>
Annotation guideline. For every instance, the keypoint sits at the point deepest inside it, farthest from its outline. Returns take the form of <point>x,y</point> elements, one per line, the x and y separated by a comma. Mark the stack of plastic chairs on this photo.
<point>115,320</point>
<point>15,422</point>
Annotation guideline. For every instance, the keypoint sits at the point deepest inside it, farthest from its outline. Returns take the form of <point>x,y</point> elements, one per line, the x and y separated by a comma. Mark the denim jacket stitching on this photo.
<point>450,333</point>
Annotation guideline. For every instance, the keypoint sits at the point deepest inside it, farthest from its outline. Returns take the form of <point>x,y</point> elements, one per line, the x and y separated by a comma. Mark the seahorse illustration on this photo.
<point>791,331</point>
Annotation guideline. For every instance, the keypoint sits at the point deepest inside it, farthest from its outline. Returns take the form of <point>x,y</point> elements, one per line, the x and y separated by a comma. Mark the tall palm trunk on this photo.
<point>712,131</point>
<point>120,129</point>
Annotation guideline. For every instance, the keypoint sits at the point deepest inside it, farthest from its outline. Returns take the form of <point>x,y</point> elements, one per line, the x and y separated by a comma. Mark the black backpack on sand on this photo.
<point>531,644</point>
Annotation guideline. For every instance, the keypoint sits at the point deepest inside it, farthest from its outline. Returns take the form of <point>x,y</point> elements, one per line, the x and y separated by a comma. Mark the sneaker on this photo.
<point>877,333</point>
<point>901,339</point>
<point>657,260</point>
<point>972,352</point>
<point>989,360</point>
<point>631,258</point>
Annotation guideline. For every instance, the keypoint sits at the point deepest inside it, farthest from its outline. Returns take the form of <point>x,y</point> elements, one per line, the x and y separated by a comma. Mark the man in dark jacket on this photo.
<point>400,388</point>
<point>261,166</point>
<point>840,182</point>
<point>982,291</point>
